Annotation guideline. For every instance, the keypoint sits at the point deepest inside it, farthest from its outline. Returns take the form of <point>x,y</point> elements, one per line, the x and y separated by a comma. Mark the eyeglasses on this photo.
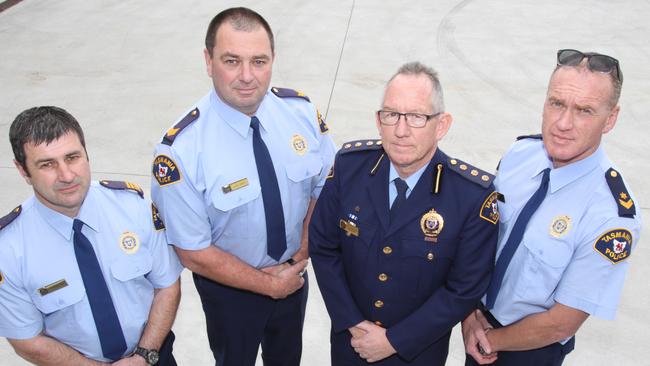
<point>416,120</point>
<point>595,61</point>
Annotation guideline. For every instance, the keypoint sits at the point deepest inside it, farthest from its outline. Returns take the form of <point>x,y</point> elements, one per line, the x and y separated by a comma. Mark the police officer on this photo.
<point>568,224</point>
<point>86,275</point>
<point>403,236</point>
<point>235,180</point>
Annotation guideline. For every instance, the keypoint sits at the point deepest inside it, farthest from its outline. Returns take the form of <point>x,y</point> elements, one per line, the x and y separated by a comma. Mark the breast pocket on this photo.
<point>423,267</point>
<point>234,210</point>
<point>544,265</point>
<point>301,174</point>
<point>60,307</point>
<point>132,287</point>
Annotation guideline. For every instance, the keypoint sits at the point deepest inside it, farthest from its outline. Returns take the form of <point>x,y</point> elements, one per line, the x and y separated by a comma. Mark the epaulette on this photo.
<point>120,185</point>
<point>360,145</point>
<point>471,173</point>
<point>11,216</point>
<point>535,136</point>
<point>171,134</point>
<point>622,197</point>
<point>289,93</point>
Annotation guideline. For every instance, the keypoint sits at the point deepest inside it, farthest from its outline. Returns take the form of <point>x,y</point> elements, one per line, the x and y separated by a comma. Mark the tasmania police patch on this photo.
<point>155,216</point>
<point>489,210</point>
<point>615,245</point>
<point>165,170</point>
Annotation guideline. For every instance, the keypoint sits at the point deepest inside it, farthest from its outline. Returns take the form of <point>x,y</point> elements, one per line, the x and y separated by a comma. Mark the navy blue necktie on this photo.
<point>400,198</point>
<point>276,237</point>
<point>514,239</point>
<point>108,326</point>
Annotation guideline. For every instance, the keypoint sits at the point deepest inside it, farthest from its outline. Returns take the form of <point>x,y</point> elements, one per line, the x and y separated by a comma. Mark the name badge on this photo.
<point>235,185</point>
<point>55,286</point>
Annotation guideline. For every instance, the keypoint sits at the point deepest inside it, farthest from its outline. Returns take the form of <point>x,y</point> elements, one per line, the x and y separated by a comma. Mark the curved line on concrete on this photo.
<point>446,40</point>
<point>338,65</point>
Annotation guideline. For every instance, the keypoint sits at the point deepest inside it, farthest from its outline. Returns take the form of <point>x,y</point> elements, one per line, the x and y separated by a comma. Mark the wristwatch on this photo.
<point>151,356</point>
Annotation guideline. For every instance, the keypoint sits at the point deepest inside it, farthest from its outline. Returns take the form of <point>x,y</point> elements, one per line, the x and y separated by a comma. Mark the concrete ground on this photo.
<point>127,70</point>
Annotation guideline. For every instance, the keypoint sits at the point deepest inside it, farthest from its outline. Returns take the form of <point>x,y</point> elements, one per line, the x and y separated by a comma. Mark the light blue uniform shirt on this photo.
<point>216,150</point>
<point>37,250</point>
<point>411,181</point>
<point>557,260</point>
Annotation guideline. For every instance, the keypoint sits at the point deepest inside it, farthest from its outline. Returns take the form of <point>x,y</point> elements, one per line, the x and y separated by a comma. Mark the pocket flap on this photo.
<point>59,299</point>
<point>306,168</point>
<point>132,266</point>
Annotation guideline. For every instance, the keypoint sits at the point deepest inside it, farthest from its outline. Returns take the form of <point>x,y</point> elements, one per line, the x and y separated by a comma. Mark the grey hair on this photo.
<point>417,68</point>
<point>617,84</point>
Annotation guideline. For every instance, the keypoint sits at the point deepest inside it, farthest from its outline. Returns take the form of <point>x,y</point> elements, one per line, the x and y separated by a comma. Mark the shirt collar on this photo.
<point>567,174</point>
<point>237,120</point>
<point>411,181</point>
<point>62,224</point>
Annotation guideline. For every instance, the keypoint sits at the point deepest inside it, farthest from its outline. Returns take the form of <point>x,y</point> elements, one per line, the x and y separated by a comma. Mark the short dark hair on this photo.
<point>39,125</point>
<point>242,19</point>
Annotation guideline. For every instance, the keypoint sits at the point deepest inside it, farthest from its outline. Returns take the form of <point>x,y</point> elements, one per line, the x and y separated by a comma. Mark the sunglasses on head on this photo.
<point>595,62</point>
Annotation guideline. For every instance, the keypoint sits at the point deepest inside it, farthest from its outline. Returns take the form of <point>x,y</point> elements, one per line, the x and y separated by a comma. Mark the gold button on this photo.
<point>379,142</point>
<point>382,277</point>
<point>485,178</point>
<point>379,304</point>
<point>357,144</point>
<point>378,323</point>
<point>453,161</point>
<point>463,167</point>
<point>347,146</point>
<point>387,250</point>
<point>613,174</point>
<point>370,143</point>
<point>194,112</point>
<point>474,172</point>
<point>430,256</point>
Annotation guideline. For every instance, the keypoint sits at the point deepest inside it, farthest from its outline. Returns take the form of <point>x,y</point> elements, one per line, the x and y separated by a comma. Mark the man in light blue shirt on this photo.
<point>235,181</point>
<point>86,275</point>
<point>572,258</point>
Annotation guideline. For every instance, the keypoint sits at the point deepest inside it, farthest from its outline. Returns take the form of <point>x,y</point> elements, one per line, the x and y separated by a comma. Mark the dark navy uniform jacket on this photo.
<point>417,276</point>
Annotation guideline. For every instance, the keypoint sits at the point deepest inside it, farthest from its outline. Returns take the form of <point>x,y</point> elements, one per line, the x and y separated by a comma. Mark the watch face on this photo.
<point>152,357</point>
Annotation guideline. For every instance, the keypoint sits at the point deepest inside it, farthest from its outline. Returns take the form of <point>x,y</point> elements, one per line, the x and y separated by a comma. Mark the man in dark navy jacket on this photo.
<point>403,237</point>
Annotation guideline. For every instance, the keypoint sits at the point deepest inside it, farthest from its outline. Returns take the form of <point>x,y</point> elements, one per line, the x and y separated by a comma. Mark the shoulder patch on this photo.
<point>321,123</point>
<point>535,136</point>
<point>171,134</point>
<point>360,145</point>
<point>120,185</point>
<point>490,210</point>
<point>155,217</point>
<point>289,93</point>
<point>471,173</point>
<point>615,245</point>
<point>165,170</point>
<point>11,216</point>
<point>622,197</point>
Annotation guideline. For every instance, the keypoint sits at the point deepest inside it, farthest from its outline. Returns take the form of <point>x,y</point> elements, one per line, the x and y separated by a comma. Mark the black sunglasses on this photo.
<point>595,61</point>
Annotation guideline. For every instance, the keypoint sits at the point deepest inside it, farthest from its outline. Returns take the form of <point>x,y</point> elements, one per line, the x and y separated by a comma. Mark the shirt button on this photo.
<point>430,256</point>
<point>382,277</point>
<point>379,304</point>
<point>387,250</point>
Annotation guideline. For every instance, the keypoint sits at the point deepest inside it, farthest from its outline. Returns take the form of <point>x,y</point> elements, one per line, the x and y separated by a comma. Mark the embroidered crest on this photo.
<point>165,170</point>
<point>299,144</point>
<point>615,245</point>
<point>560,226</point>
<point>431,224</point>
<point>490,210</point>
<point>129,242</point>
<point>155,217</point>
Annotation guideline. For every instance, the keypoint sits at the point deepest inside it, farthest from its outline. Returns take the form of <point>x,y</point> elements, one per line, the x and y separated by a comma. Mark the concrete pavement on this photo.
<point>128,70</point>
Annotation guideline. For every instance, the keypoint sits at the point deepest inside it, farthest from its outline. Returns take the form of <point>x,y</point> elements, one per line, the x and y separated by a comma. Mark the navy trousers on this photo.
<point>239,321</point>
<point>551,355</point>
<point>166,356</point>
